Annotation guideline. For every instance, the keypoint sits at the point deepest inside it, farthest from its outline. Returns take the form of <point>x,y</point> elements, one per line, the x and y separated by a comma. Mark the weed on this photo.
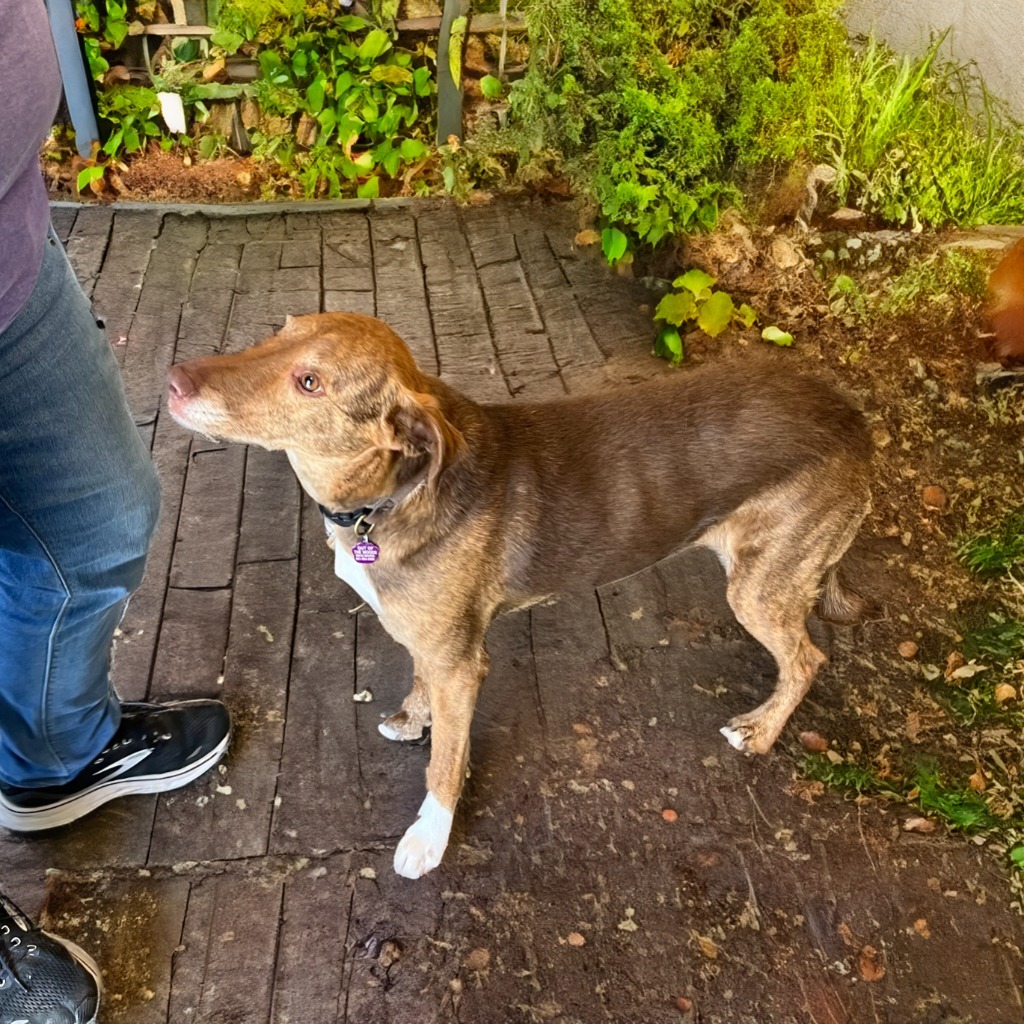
<point>849,776</point>
<point>947,275</point>
<point>958,806</point>
<point>996,552</point>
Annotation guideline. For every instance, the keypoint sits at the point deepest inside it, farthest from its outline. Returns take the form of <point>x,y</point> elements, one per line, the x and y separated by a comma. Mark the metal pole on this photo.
<point>449,95</point>
<point>74,75</point>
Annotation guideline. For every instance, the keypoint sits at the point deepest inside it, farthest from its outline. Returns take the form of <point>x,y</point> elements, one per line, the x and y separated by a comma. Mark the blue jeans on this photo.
<point>78,504</point>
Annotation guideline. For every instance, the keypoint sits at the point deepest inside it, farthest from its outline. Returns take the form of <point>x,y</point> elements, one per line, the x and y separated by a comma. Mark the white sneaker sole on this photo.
<point>63,812</point>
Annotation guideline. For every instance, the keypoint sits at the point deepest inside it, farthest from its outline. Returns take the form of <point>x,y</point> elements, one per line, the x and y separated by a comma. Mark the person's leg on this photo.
<point>78,504</point>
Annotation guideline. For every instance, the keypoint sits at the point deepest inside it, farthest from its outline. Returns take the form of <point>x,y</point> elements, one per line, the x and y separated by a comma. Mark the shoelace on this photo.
<point>10,914</point>
<point>140,734</point>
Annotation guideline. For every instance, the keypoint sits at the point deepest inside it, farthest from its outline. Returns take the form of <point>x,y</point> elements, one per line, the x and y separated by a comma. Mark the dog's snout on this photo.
<point>180,383</point>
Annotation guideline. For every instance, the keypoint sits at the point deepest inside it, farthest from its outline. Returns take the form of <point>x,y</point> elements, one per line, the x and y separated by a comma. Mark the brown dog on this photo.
<point>477,510</point>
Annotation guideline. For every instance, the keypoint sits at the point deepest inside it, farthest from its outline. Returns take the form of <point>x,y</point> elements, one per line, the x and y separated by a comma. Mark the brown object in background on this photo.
<point>1005,308</point>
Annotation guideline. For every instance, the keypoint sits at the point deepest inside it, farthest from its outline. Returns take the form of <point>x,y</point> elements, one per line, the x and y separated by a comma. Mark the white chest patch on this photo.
<point>352,572</point>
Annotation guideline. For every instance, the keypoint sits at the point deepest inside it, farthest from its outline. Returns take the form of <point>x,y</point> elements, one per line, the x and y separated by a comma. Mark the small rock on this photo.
<point>363,697</point>
<point>934,497</point>
<point>922,929</point>
<point>575,939</point>
<point>881,437</point>
<point>908,649</point>
<point>812,741</point>
<point>587,237</point>
<point>367,873</point>
<point>846,214</point>
<point>683,1005</point>
<point>477,960</point>
<point>669,815</point>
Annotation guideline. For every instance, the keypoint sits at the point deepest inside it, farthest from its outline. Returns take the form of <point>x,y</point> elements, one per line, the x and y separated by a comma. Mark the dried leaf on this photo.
<point>1005,692</point>
<point>953,662</point>
<point>588,237</point>
<point>870,967</point>
<point>707,947</point>
<point>919,825</point>
<point>922,929</point>
<point>977,782</point>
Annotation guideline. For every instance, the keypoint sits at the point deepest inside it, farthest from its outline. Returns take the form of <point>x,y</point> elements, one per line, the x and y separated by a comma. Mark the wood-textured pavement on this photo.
<point>264,893</point>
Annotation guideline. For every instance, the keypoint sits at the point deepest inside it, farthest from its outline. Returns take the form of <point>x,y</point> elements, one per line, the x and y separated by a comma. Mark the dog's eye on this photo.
<point>309,382</point>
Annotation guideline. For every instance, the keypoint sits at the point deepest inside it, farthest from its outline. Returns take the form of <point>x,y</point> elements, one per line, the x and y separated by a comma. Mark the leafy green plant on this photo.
<point>662,113</point>
<point>360,105</point>
<point>696,301</point>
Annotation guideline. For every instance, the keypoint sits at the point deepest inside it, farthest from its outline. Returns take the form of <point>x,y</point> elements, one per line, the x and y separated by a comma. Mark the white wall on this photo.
<point>989,32</point>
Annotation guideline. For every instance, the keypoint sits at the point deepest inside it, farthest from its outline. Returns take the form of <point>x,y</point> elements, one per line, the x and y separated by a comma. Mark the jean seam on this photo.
<point>59,618</point>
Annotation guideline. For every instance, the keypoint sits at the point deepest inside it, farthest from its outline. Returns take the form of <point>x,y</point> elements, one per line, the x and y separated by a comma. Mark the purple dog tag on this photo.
<point>365,551</point>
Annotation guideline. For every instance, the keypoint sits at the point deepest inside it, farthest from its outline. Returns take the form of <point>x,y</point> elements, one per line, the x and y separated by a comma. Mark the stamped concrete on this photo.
<point>613,860</point>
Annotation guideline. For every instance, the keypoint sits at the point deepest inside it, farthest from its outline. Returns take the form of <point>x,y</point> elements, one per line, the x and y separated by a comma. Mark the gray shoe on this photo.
<point>43,979</point>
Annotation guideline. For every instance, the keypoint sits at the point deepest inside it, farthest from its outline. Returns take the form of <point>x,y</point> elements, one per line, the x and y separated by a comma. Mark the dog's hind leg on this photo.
<point>452,689</point>
<point>414,717</point>
<point>777,550</point>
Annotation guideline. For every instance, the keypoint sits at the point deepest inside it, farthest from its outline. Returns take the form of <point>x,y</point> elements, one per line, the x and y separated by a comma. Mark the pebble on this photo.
<point>934,497</point>
<point>908,649</point>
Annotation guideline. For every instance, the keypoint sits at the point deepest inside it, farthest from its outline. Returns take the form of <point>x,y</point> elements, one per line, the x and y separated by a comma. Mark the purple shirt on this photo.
<point>29,93</point>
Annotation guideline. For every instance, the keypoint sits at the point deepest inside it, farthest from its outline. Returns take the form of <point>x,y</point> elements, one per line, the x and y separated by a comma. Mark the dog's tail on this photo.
<point>836,603</point>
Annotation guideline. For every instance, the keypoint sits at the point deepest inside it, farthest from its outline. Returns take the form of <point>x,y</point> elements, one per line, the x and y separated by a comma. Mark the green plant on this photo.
<point>357,103</point>
<point>946,275</point>
<point>998,551</point>
<point>697,302</point>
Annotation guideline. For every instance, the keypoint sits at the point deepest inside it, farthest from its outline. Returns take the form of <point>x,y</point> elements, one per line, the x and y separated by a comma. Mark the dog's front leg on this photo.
<point>452,690</point>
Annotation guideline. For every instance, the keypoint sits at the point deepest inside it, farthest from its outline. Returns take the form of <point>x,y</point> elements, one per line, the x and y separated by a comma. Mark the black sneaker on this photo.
<point>157,747</point>
<point>43,979</point>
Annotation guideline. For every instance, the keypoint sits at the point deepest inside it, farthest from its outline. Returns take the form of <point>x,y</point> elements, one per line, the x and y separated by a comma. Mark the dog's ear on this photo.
<point>420,427</point>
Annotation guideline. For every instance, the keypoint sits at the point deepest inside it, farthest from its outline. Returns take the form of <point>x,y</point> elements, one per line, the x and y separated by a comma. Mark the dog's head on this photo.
<point>339,392</point>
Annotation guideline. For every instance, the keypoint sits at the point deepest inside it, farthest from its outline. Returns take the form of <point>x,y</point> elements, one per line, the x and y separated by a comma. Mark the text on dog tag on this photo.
<point>365,551</point>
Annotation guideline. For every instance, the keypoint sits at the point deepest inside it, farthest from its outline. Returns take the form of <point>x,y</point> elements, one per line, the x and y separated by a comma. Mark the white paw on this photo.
<point>424,842</point>
<point>389,732</point>
<point>735,737</point>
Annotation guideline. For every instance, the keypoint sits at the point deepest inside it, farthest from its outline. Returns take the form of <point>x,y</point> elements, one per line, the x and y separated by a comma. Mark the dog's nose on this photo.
<point>180,383</point>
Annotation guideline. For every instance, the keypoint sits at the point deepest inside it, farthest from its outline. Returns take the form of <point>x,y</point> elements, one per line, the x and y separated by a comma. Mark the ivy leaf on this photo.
<point>613,244</point>
<point>697,282</point>
<point>676,308</point>
<point>369,189</point>
<point>87,175</point>
<point>315,93</point>
<point>491,87</point>
<point>227,40</point>
<point>391,73</point>
<point>375,43</point>
<point>455,40</point>
<point>352,23</point>
<point>669,345</point>
<point>1017,855</point>
<point>746,315</point>
<point>715,314</point>
<point>778,336</point>
<point>412,149</point>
